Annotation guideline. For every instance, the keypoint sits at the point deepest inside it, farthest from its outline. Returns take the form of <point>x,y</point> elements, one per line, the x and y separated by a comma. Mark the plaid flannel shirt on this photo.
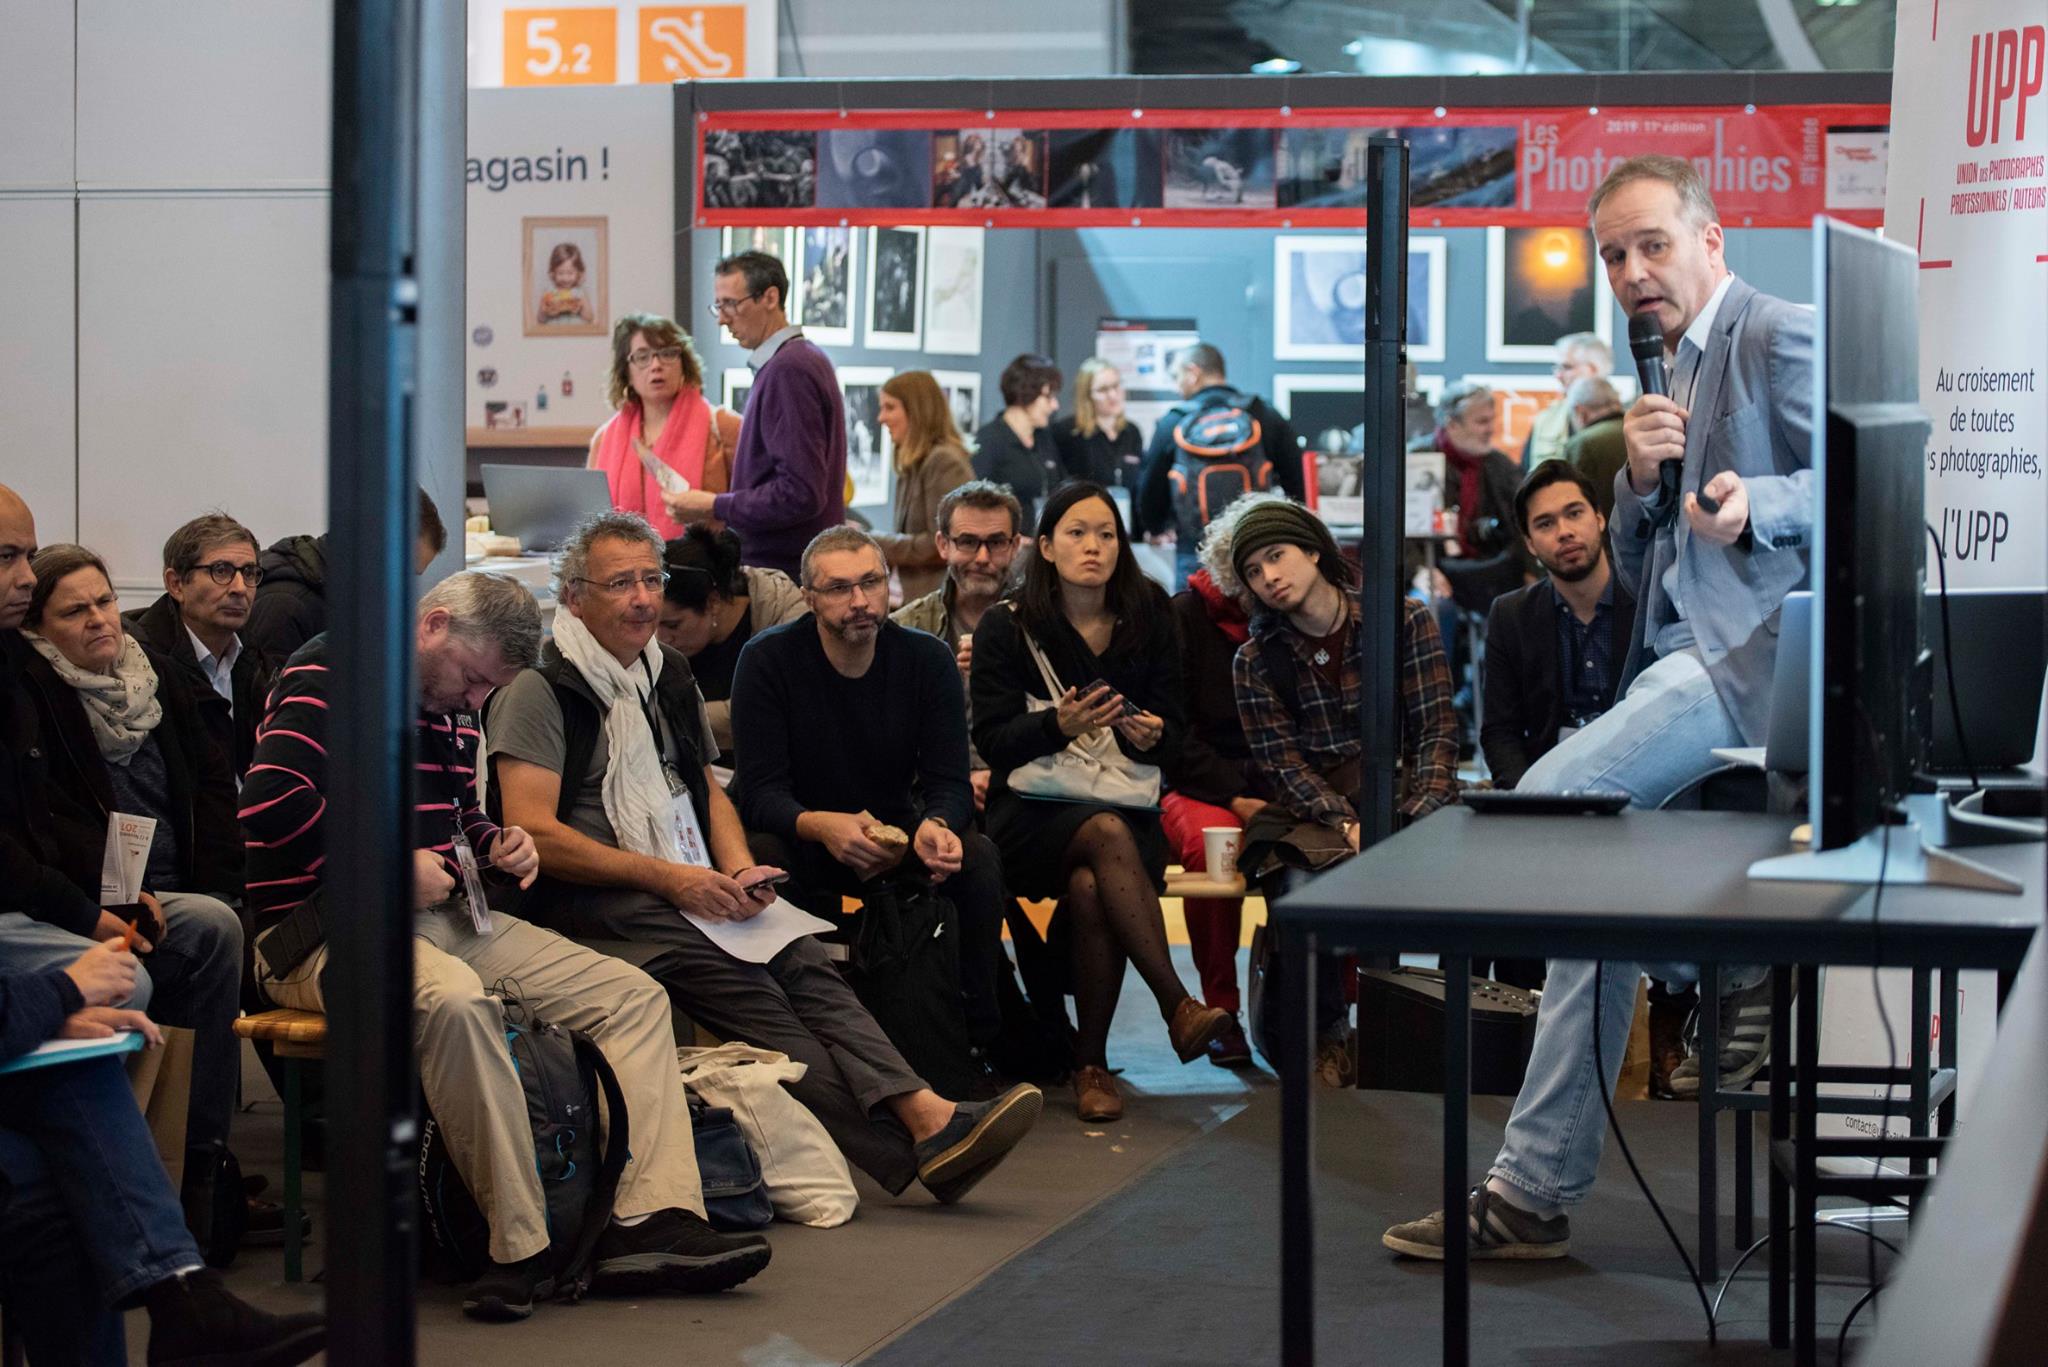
<point>1295,752</point>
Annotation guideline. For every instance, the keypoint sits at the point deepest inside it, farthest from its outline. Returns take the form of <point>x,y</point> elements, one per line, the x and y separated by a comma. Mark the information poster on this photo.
<point>1968,188</point>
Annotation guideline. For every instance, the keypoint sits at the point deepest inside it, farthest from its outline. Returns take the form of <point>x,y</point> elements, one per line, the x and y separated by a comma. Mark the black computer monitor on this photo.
<point>1871,677</point>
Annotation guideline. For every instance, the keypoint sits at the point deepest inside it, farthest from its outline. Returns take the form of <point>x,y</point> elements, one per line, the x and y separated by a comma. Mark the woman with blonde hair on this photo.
<point>931,462</point>
<point>666,438</point>
<point>1099,441</point>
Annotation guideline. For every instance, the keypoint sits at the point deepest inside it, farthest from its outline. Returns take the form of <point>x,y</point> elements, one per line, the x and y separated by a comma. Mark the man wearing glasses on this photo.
<point>977,534</point>
<point>603,754</point>
<point>210,578</point>
<point>845,722</point>
<point>789,474</point>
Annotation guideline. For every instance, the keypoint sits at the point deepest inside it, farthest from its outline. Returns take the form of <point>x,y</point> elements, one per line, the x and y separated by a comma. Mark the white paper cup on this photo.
<point>1219,847</point>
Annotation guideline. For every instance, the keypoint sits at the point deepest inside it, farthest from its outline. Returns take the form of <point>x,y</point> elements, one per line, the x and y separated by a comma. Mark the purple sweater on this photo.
<point>789,474</point>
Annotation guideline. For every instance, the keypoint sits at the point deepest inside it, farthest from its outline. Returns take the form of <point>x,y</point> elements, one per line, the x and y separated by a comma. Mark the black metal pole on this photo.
<point>1379,553</point>
<point>372,517</point>
<point>1297,959</point>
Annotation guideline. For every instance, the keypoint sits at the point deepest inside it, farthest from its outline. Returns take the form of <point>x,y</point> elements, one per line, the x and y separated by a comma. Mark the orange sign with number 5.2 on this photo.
<point>561,46</point>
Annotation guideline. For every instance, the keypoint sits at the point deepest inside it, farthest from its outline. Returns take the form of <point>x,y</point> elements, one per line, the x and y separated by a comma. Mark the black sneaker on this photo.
<point>195,1321</point>
<point>673,1250</point>
<point>508,1292</point>
<point>1498,1229</point>
<point>979,1136</point>
<point>1745,1043</point>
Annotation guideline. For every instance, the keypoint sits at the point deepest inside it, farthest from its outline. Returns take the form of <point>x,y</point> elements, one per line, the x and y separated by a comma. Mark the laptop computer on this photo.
<point>541,504</point>
<point>2001,660</point>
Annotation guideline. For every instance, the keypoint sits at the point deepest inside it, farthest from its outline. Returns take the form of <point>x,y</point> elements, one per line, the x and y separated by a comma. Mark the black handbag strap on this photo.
<point>574,1278</point>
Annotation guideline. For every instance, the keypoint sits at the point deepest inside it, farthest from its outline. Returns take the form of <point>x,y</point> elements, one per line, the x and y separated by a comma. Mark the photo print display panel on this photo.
<point>1543,284</point>
<point>828,259</point>
<point>962,389</point>
<point>1103,168</point>
<point>895,288</point>
<point>953,266</point>
<point>1319,298</point>
<point>988,168</point>
<point>874,168</point>
<point>566,274</point>
<point>748,169</point>
<point>738,381</point>
<point>1219,168</point>
<point>870,455</point>
<point>1448,167</point>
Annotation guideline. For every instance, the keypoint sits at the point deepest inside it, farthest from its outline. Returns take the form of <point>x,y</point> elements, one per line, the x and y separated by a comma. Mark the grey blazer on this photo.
<point>1751,412</point>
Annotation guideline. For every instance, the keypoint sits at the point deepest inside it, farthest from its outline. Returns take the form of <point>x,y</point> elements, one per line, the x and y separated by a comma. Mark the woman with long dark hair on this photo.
<point>1083,654</point>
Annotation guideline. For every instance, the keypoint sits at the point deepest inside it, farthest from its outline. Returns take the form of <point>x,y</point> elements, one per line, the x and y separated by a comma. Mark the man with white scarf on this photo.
<point>603,754</point>
<point>474,632</point>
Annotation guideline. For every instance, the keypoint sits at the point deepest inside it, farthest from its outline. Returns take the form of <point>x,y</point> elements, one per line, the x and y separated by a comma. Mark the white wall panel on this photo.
<point>36,333</point>
<point>35,94</point>
<point>203,93</point>
<point>203,365</point>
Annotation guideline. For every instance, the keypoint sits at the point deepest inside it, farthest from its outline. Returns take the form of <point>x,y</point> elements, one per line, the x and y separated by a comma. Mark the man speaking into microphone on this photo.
<point>1710,557</point>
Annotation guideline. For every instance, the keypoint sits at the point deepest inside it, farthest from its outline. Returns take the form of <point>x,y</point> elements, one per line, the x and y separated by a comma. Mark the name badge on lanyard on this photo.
<point>472,884</point>
<point>689,835</point>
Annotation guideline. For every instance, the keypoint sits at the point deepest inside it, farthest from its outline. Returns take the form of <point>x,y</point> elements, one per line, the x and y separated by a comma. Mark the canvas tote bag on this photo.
<point>1091,768</point>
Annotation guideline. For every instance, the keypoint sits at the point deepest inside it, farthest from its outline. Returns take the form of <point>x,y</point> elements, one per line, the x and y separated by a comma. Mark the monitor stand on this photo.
<point>1909,862</point>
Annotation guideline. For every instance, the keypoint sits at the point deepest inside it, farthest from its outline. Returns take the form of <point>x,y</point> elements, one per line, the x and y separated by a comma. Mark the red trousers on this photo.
<point>1214,923</point>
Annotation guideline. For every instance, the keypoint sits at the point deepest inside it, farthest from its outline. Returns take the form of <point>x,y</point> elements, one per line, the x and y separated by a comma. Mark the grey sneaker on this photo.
<point>1498,1229</point>
<point>1745,1043</point>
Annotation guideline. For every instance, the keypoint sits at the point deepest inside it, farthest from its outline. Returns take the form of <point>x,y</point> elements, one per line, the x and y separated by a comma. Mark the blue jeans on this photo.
<point>97,1156</point>
<point>1651,745</point>
<point>192,980</point>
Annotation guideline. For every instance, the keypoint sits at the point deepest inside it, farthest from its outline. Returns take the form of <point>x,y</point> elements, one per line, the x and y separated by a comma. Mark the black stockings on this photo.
<point>1115,917</point>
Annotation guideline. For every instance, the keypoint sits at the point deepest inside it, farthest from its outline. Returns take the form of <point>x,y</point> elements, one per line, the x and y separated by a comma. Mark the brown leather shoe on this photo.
<point>1193,1026</point>
<point>1095,1094</point>
<point>1667,1045</point>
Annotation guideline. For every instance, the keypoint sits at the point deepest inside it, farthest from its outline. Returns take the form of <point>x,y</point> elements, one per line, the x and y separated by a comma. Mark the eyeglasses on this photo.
<point>718,308</point>
<point>972,546</point>
<point>839,590</point>
<point>645,356</point>
<point>619,585</point>
<point>224,572</point>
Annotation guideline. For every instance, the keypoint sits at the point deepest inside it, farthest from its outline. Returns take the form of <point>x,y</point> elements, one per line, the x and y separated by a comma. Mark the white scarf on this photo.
<point>636,796</point>
<point>121,708</point>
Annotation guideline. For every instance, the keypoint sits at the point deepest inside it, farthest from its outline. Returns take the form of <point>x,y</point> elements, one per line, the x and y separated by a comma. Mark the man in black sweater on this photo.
<point>844,723</point>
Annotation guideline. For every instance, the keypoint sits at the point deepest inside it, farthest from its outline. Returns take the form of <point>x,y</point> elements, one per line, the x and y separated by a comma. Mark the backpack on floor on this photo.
<point>578,1156</point>
<point>905,968</point>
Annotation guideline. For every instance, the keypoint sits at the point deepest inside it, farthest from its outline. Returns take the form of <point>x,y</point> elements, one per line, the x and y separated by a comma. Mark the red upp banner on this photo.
<point>1772,166</point>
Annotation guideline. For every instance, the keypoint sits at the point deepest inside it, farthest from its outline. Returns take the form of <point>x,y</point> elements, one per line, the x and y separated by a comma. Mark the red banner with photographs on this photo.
<point>1770,166</point>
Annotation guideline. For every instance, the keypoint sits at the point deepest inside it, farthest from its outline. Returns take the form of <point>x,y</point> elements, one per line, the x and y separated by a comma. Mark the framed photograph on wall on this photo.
<point>738,382</point>
<point>1517,399</point>
<point>566,273</point>
<point>953,259</point>
<point>895,288</point>
<point>1319,298</point>
<point>963,396</point>
<point>1543,284</point>
<point>828,261</point>
<point>870,455</point>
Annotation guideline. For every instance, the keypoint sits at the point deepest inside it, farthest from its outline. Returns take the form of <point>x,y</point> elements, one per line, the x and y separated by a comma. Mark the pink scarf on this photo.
<point>681,447</point>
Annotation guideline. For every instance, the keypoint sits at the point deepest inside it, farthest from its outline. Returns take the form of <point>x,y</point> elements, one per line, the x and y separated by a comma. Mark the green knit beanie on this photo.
<point>1276,523</point>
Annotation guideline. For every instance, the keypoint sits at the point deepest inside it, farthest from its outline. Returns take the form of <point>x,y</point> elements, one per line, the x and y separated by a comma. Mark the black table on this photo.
<point>1641,886</point>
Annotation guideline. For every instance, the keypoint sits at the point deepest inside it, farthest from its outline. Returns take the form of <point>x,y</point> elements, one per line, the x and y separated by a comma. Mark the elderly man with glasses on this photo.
<point>603,753</point>
<point>789,474</point>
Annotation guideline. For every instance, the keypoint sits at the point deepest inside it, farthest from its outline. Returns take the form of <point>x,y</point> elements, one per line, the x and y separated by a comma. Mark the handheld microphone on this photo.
<point>1646,344</point>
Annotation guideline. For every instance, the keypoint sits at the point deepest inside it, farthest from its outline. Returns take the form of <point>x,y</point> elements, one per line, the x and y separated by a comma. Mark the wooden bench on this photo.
<point>294,1036</point>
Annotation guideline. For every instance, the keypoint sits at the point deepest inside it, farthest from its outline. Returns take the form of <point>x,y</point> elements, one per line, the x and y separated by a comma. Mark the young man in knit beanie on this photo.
<point>1299,691</point>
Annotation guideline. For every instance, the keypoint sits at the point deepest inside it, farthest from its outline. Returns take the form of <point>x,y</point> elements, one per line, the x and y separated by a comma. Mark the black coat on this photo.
<point>31,868</point>
<point>291,603</point>
<point>160,627</point>
<point>1524,703</point>
<point>1031,471</point>
<point>80,794</point>
<point>1118,463</point>
<point>1214,764</point>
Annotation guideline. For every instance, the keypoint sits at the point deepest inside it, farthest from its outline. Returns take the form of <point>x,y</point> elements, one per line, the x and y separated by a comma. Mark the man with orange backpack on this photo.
<point>1216,444</point>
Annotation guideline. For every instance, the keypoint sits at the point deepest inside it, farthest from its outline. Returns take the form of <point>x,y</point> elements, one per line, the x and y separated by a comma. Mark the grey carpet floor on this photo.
<point>1182,1268</point>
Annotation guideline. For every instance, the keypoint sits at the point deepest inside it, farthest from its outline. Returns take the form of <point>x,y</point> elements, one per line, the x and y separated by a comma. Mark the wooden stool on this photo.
<point>294,1036</point>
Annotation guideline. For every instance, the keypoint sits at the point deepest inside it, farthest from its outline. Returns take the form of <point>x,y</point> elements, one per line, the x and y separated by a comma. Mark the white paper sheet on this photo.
<point>760,938</point>
<point>127,855</point>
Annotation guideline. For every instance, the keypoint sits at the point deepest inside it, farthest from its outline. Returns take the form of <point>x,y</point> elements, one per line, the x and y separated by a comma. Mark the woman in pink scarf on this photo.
<point>666,437</point>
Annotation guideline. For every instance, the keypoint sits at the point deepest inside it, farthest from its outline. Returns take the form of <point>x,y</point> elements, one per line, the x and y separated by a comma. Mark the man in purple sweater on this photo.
<point>789,474</point>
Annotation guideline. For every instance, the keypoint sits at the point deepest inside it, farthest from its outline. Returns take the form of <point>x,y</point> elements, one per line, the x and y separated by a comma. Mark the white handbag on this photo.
<point>1090,767</point>
<point>802,1169</point>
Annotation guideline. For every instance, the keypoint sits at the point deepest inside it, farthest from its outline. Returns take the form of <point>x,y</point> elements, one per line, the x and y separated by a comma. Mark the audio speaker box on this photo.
<point>1401,1032</point>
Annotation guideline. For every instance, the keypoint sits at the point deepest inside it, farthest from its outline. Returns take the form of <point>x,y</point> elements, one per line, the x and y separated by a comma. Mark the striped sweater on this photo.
<point>284,798</point>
